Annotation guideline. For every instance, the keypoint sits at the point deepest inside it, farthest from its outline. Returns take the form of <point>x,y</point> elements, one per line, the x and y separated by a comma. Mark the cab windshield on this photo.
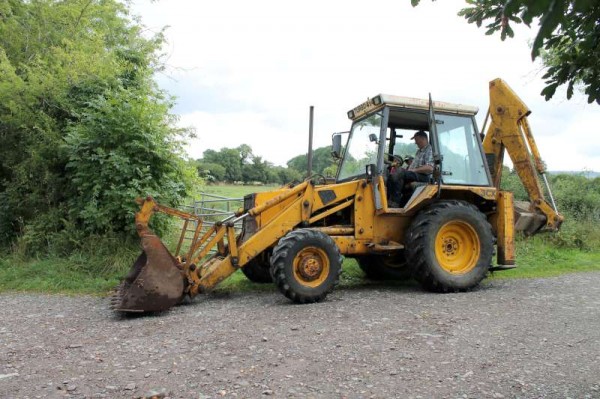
<point>361,149</point>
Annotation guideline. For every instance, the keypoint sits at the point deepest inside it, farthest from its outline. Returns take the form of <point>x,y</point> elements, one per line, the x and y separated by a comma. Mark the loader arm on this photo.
<point>159,280</point>
<point>509,130</point>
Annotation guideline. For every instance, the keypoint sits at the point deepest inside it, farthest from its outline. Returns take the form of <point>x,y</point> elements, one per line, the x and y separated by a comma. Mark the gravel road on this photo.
<point>509,339</point>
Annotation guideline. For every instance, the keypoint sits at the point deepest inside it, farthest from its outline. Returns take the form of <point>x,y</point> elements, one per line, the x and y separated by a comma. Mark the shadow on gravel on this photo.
<point>269,294</point>
<point>127,316</point>
<point>364,284</point>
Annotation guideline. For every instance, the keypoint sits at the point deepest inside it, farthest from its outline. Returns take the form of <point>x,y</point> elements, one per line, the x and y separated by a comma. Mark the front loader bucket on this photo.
<point>154,283</point>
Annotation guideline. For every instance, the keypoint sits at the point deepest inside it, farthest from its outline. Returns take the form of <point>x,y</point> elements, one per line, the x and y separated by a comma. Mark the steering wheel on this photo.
<point>320,176</point>
<point>397,159</point>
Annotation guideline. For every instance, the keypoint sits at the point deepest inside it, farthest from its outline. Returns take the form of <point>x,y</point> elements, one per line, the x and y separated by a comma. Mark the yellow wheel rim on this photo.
<point>311,267</point>
<point>457,247</point>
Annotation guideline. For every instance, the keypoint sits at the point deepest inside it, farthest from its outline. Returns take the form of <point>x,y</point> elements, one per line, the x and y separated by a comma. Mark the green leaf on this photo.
<point>549,91</point>
<point>548,23</point>
<point>509,31</point>
<point>570,90</point>
<point>515,19</point>
<point>492,30</point>
<point>582,6</point>
<point>84,111</point>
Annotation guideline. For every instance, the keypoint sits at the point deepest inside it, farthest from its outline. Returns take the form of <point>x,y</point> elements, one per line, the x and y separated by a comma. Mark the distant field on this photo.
<point>235,191</point>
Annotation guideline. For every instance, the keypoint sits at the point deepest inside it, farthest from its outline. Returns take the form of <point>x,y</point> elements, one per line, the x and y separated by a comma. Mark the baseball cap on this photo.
<point>420,133</point>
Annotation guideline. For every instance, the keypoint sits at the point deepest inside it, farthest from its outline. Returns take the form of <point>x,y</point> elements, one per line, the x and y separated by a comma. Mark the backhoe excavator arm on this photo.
<point>509,130</point>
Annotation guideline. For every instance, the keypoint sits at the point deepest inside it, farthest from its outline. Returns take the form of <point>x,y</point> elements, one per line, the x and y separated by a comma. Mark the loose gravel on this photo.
<point>532,338</point>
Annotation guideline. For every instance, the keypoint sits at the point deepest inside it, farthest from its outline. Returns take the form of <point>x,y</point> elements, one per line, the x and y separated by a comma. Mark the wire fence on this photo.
<point>212,208</point>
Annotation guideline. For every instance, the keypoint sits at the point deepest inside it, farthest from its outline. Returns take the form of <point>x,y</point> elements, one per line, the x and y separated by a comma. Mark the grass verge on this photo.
<point>98,276</point>
<point>54,276</point>
<point>537,258</point>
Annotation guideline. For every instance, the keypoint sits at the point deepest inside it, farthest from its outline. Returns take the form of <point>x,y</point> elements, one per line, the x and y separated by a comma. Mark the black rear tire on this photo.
<point>385,267</point>
<point>306,265</point>
<point>450,246</point>
<point>258,269</point>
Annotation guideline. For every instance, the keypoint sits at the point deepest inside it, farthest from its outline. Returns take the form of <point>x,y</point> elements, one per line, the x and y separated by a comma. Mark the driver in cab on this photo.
<point>419,170</point>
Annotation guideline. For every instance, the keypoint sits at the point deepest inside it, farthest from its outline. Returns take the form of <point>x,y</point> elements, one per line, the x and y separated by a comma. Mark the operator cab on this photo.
<point>380,140</point>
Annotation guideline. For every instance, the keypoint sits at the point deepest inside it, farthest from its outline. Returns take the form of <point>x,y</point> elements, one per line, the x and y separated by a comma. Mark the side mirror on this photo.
<point>373,138</point>
<point>336,145</point>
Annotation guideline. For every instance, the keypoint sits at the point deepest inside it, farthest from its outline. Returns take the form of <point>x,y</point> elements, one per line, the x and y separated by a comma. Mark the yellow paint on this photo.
<point>372,227</point>
<point>509,130</point>
<point>311,267</point>
<point>349,245</point>
<point>457,247</point>
<point>335,230</point>
<point>505,228</point>
<point>267,213</point>
<point>364,211</point>
<point>233,248</point>
<point>213,275</point>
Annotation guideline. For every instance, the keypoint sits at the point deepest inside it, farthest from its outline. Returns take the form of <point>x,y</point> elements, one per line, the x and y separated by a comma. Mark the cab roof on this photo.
<point>410,103</point>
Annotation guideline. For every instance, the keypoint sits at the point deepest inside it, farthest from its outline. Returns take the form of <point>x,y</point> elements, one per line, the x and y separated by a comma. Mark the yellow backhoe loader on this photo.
<point>444,234</point>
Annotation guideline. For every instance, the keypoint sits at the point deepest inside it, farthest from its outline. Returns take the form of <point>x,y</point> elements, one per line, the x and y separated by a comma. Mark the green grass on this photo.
<point>541,261</point>
<point>76,275</point>
<point>352,277</point>
<point>96,271</point>
<point>55,276</point>
<point>99,272</point>
<point>536,258</point>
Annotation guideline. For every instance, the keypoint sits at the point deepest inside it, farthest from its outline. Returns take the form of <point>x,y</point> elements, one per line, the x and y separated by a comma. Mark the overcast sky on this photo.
<point>246,72</point>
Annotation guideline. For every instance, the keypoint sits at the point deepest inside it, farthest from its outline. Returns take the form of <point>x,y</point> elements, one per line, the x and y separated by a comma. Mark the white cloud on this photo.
<point>247,72</point>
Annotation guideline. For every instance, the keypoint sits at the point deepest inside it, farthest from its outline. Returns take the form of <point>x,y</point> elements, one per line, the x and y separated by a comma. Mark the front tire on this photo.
<point>450,245</point>
<point>306,265</point>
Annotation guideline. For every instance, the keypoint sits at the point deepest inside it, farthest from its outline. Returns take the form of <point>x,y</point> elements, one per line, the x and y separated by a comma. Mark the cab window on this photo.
<point>362,146</point>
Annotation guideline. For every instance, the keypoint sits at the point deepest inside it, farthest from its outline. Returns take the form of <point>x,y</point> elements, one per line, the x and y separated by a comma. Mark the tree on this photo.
<point>255,171</point>
<point>211,171</point>
<point>240,164</point>
<point>120,149</point>
<point>287,175</point>
<point>322,159</point>
<point>83,127</point>
<point>245,152</point>
<point>229,158</point>
<point>568,39</point>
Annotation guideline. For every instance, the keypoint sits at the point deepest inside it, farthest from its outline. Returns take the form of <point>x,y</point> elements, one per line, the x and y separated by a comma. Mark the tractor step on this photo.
<point>390,246</point>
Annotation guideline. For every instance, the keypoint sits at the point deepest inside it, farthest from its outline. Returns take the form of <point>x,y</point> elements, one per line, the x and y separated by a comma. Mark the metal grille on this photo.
<point>212,208</point>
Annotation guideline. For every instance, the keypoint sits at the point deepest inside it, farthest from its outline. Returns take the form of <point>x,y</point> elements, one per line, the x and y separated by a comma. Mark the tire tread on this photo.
<point>279,261</point>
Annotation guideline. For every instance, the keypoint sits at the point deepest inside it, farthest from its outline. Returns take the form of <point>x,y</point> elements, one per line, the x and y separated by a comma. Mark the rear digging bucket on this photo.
<point>154,283</point>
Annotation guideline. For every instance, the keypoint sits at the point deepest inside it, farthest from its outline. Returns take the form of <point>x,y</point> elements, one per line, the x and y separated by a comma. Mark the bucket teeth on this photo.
<point>117,297</point>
